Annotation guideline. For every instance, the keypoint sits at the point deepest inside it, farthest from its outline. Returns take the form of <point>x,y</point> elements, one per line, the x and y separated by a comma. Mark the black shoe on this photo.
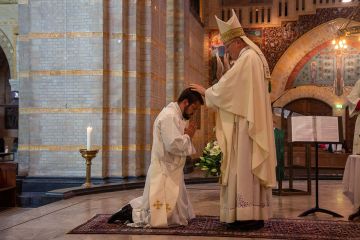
<point>256,225</point>
<point>123,215</point>
<point>354,215</point>
<point>248,225</point>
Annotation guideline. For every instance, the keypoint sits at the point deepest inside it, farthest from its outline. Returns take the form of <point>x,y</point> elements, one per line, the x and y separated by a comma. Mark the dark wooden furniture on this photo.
<point>3,155</point>
<point>349,130</point>
<point>8,184</point>
<point>302,106</point>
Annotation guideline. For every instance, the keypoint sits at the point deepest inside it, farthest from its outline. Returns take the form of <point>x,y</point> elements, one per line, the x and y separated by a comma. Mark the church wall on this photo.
<point>196,71</point>
<point>114,65</point>
<point>289,70</point>
<point>175,44</point>
<point>7,135</point>
<point>98,63</point>
<point>282,42</point>
<point>211,8</point>
<point>60,72</point>
<point>8,31</point>
<point>113,88</point>
<point>143,85</point>
<point>186,62</point>
<point>23,66</point>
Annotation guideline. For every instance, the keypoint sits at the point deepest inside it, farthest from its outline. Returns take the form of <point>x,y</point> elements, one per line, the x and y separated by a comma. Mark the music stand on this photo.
<point>316,129</point>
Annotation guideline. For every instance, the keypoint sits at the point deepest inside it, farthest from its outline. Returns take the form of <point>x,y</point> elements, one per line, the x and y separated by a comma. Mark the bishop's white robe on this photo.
<point>353,99</point>
<point>244,131</point>
<point>165,201</point>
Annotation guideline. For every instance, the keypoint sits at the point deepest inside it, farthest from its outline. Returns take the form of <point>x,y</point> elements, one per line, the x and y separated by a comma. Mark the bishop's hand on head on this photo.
<point>198,88</point>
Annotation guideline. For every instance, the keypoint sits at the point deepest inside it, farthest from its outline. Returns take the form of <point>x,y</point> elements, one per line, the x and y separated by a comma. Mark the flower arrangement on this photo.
<point>211,159</point>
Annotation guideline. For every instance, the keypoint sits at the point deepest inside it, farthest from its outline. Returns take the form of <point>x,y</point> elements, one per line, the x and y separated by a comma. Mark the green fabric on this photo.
<point>280,155</point>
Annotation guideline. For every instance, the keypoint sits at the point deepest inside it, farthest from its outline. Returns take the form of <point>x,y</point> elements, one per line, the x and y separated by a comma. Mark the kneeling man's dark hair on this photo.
<point>191,96</point>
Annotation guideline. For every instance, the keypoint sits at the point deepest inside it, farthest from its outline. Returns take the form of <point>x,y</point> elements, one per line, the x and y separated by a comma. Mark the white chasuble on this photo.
<point>353,98</point>
<point>165,201</point>
<point>244,131</point>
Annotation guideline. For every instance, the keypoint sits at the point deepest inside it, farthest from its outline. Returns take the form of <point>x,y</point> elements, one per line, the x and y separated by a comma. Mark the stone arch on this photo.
<point>314,38</point>
<point>8,49</point>
<point>324,94</point>
<point>309,92</point>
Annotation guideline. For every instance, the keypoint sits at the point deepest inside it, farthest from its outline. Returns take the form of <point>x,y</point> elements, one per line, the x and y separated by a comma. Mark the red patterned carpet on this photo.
<point>210,226</point>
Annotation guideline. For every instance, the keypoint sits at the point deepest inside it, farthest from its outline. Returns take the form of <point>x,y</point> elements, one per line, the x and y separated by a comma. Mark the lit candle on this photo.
<point>88,138</point>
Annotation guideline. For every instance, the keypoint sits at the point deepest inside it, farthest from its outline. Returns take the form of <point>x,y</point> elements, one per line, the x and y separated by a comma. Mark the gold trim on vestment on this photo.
<point>157,204</point>
<point>231,34</point>
<point>168,208</point>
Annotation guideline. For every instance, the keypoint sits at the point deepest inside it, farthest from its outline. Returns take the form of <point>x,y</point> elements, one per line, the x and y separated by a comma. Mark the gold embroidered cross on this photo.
<point>168,208</point>
<point>157,204</point>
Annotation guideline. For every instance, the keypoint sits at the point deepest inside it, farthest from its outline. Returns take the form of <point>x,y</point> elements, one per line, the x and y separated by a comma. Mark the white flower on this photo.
<point>208,147</point>
<point>211,159</point>
<point>215,151</point>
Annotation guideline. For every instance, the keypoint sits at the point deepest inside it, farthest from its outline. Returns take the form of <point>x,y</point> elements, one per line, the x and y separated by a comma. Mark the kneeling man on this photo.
<point>165,201</point>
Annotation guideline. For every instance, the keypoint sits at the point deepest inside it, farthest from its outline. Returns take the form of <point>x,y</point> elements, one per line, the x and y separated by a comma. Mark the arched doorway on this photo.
<point>305,106</point>
<point>329,163</point>
<point>9,108</point>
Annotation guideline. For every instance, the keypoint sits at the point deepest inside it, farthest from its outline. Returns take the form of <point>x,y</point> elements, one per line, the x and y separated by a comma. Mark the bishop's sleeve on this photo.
<point>174,140</point>
<point>353,98</point>
<point>232,91</point>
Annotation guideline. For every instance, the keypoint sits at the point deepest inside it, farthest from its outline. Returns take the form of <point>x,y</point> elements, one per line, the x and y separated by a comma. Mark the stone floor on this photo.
<point>53,221</point>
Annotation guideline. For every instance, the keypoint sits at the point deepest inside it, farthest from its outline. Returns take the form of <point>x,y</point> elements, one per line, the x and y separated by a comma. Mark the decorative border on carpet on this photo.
<point>276,228</point>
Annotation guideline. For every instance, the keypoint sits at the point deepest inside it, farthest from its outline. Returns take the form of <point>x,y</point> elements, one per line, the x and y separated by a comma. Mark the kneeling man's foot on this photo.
<point>235,225</point>
<point>248,225</point>
<point>256,224</point>
<point>123,215</point>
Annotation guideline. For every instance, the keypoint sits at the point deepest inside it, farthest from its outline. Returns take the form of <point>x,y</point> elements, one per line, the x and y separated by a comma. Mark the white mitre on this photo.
<point>232,29</point>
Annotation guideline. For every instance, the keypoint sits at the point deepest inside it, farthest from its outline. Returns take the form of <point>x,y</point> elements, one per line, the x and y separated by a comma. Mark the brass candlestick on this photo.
<point>88,155</point>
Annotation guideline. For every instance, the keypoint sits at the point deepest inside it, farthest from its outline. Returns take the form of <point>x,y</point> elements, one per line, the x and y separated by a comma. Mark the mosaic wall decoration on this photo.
<point>351,67</point>
<point>329,67</point>
<point>322,69</point>
<point>255,35</point>
<point>278,39</point>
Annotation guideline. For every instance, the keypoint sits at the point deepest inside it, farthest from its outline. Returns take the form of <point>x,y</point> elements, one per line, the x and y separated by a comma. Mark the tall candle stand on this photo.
<point>88,155</point>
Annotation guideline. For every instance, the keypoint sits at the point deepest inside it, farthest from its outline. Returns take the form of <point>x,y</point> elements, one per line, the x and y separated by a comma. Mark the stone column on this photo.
<point>143,80</point>
<point>174,49</point>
